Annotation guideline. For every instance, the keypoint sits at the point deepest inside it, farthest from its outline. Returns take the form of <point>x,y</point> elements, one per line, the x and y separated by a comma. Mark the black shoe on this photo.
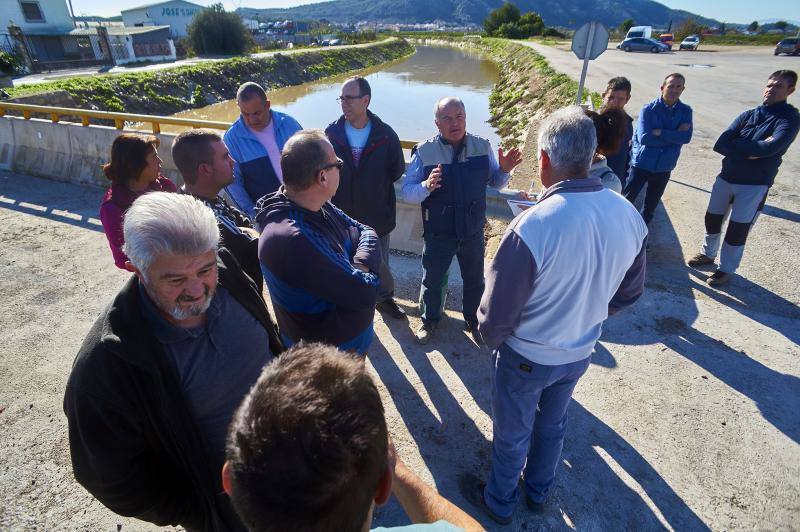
<point>472,489</point>
<point>719,278</point>
<point>700,260</point>
<point>390,307</point>
<point>533,506</point>
<point>471,326</point>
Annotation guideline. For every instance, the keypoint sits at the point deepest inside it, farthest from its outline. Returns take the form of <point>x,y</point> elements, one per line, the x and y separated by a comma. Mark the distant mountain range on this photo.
<point>564,13</point>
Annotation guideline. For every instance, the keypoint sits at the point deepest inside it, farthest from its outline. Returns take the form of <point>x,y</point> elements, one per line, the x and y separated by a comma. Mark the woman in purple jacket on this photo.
<point>135,169</point>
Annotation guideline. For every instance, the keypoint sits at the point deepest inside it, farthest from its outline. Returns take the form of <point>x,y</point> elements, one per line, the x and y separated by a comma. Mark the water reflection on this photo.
<point>403,94</point>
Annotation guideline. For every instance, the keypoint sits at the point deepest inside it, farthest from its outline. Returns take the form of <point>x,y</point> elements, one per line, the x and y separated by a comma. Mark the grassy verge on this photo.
<point>742,40</point>
<point>169,91</point>
<point>528,87</point>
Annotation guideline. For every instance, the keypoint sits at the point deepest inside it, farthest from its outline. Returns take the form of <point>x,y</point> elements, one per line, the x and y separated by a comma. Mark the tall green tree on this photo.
<point>531,24</point>
<point>781,25</point>
<point>753,26</point>
<point>216,31</point>
<point>508,13</point>
<point>686,28</point>
<point>626,25</point>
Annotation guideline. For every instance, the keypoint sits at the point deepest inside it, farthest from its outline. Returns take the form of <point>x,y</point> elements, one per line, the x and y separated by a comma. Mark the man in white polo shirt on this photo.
<point>562,267</point>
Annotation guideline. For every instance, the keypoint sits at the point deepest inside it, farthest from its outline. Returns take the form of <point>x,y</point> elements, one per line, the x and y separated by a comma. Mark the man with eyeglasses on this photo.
<point>373,161</point>
<point>448,175</point>
<point>320,265</point>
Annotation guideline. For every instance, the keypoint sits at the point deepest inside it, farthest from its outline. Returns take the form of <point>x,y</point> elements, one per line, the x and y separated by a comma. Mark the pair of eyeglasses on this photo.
<point>338,164</point>
<point>341,99</point>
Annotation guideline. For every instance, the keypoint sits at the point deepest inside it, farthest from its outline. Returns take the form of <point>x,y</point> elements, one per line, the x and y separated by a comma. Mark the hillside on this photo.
<point>565,13</point>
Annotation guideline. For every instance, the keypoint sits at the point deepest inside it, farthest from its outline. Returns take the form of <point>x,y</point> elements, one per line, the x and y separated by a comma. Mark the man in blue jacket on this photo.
<point>753,147</point>
<point>663,127</point>
<point>255,142</point>
<point>448,175</point>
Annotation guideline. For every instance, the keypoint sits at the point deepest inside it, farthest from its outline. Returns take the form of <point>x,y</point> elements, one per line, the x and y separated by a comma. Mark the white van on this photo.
<point>640,31</point>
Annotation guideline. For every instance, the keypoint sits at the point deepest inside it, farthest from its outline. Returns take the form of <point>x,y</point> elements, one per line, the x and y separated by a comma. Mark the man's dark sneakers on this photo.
<point>472,489</point>
<point>700,260</point>
<point>533,506</point>
<point>390,307</point>
<point>471,326</point>
<point>719,278</point>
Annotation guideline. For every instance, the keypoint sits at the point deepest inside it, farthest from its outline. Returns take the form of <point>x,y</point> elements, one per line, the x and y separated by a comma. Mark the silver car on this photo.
<point>641,44</point>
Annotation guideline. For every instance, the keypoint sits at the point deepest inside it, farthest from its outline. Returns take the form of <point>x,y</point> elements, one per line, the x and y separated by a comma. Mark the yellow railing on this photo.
<point>55,114</point>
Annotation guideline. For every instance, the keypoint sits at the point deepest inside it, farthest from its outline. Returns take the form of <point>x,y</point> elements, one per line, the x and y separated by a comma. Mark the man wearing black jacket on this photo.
<point>162,370</point>
<point>207,167</point>
<point>373,161</point>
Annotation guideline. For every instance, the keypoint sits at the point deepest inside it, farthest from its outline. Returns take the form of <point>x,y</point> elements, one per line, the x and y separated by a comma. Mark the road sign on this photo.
<point>588,43</point>
<point>591,39</point>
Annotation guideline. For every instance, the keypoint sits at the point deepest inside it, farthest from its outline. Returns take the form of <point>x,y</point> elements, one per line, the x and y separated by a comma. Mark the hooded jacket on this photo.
<point>133,442</point>
<point>366,192</point>
<point>308,261</point>
<point>765,133</point>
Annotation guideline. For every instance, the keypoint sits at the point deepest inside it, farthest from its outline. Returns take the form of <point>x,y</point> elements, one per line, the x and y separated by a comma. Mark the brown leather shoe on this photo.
<point>700,260</point>
<point>719,278</point>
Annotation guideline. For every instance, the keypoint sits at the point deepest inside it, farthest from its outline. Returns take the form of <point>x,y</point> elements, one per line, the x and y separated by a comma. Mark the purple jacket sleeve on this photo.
<point>111,218</point>
<point>509,284</point>
<point>632,285</point>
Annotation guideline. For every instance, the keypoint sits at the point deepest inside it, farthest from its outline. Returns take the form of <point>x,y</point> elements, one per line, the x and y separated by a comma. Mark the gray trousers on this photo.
<point>386,288</point>
<point>744,203</point>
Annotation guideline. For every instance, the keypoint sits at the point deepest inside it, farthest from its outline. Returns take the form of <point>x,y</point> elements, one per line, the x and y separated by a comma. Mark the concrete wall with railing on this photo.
<point>68,151</point>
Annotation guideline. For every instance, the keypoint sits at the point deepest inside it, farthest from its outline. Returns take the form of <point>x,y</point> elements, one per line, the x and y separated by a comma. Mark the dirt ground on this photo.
<point>688,419</point>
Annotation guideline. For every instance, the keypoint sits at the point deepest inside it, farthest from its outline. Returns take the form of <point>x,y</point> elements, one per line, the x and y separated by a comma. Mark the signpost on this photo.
<point>588,43</point>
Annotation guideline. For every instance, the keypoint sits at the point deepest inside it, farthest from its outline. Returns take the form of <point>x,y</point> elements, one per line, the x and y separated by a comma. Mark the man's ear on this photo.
<point>384,490</point>
<point>544,159</point>
<point>227,478</point>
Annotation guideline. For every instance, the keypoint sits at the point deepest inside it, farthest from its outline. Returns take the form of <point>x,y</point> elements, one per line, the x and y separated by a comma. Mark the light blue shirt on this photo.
<point>357,139</point>
<point>438,526</point>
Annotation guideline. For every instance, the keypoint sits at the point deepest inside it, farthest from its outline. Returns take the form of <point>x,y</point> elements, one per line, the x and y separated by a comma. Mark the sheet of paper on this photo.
<point>518,206</point>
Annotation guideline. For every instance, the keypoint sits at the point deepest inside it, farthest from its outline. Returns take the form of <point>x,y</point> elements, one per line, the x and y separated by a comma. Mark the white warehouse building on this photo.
<point>177,14</point>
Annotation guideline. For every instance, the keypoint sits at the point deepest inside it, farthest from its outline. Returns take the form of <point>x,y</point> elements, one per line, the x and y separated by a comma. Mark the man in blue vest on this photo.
<point>448,175</point>
<point>255,142</point>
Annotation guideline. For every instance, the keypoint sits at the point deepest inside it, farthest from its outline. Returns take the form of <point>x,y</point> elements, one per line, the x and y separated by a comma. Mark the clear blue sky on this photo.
<point>742,11</point>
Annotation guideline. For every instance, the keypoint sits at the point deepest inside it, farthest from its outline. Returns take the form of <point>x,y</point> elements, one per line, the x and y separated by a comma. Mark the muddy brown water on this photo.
<point>403,94</point>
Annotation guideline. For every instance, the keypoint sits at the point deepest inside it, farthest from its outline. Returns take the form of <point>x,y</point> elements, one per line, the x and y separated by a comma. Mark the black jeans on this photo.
<point>656,184</point>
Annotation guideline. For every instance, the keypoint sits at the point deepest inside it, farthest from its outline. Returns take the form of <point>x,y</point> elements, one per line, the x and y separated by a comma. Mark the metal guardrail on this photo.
<point>55,114</point>
<point>496,199</point>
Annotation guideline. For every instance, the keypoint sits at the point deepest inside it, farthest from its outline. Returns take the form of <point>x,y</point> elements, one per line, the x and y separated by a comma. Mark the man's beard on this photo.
<point>181,313</point>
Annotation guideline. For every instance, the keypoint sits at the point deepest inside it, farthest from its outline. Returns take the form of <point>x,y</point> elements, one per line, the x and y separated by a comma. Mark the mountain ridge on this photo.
<point>565,13</point>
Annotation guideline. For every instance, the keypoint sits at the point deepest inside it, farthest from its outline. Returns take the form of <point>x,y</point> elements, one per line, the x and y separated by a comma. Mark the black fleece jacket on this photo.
<point>366,192</point>
<point>133,442</point>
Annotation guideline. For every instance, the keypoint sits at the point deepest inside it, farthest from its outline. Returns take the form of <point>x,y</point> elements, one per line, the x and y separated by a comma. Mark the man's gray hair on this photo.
<point>447,100</point>
<point>166,222</point>
<point>250,90</point>
<point>568,137</point>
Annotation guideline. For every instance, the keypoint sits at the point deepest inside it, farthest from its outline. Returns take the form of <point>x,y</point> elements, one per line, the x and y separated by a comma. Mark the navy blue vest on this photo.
<point>458,208</point>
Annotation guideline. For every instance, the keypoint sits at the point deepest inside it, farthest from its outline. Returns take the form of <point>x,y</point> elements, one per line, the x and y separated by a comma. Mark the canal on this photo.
<point>403,94</point>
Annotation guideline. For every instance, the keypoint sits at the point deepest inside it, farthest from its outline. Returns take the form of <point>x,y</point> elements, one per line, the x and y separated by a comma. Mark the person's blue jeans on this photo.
<point>656,185</point>
<point>529,413</point>
<point>436,258</point>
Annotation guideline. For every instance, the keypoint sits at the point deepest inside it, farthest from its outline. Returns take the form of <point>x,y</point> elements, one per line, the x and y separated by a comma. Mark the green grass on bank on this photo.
<point>168,91</point>
<point>743,40</point>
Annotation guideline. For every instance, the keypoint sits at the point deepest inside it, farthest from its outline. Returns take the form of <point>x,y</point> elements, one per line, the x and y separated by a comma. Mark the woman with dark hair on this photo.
<point>610,126</point>
<point>135,169</point>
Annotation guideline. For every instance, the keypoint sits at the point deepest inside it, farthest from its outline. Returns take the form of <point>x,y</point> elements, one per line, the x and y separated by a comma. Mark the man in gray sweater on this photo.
<point>562,267</point>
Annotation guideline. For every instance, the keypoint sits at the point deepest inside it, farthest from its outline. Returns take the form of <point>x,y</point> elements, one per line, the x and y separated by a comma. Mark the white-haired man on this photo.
<point>448,174</point>
<point>163,369</point>
<point>562,267</point>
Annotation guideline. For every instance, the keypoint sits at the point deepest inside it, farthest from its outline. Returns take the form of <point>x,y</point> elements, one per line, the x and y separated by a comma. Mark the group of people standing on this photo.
<point>188,404</point>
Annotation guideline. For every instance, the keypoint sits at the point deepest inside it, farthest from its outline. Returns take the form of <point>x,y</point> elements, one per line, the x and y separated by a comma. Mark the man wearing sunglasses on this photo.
<point>373,161</point>
<point>320,265</point>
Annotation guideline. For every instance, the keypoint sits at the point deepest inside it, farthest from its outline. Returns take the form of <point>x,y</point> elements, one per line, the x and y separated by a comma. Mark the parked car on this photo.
<point>788,46</point>
<point>640,44</point>
<point>690,43</point>
<point>667,38</point>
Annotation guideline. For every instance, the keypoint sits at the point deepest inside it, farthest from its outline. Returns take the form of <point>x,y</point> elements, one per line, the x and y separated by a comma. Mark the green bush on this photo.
<point>9,64</point>
<point>216,31</point>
